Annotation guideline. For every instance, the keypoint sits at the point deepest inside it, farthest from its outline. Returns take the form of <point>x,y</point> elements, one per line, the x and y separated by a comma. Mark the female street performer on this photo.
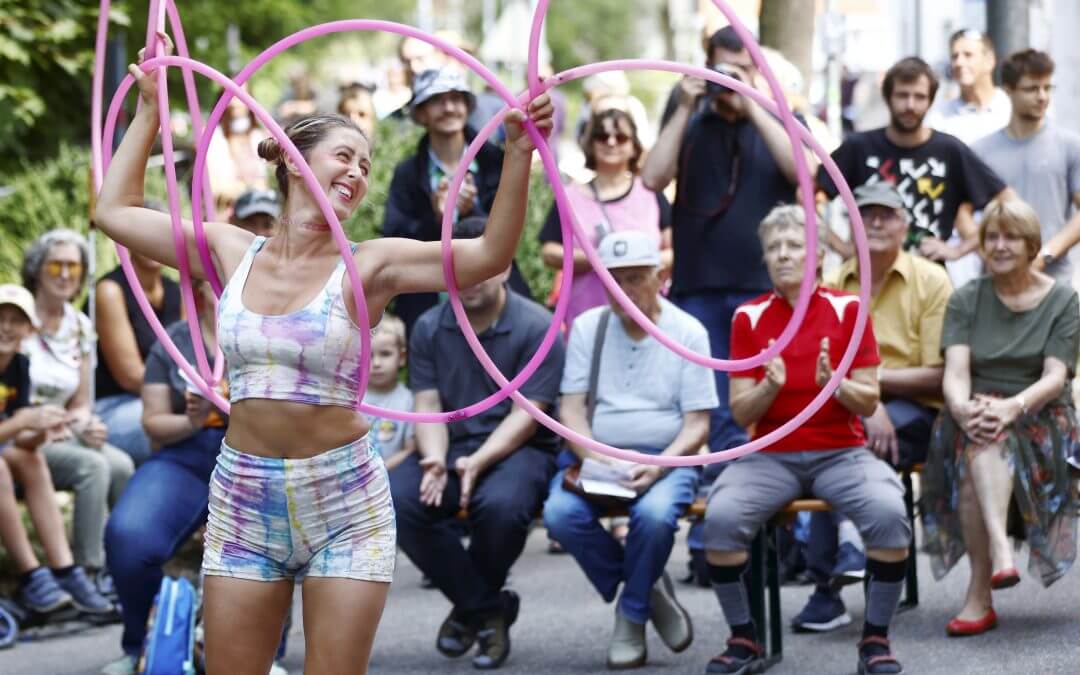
<point>297,492</point>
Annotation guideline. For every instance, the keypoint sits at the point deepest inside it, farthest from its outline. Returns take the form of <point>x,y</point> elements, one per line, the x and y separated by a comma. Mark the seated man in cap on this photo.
<point>638,395</point>
<point>256,211</point>
<point>420,189</point>
<point>908,299</point>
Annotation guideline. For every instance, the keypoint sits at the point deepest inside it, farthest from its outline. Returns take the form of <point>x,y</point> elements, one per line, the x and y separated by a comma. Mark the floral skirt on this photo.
<point>1037,448</point>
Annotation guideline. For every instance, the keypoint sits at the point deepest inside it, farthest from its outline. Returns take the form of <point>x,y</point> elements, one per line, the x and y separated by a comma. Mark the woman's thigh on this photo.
<point>340,620</point>
<point>243,621</point>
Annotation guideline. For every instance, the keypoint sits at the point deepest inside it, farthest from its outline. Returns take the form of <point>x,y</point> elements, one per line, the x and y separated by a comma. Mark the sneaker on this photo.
<point>670,619</point>
<point>125,665</point>
<point>42,594</point>
<point>456,636</point>
<point>850,566</point>
<point>105,585</point>
<point>83,592</point>
<point>494,634</point>
<point>824,611</point>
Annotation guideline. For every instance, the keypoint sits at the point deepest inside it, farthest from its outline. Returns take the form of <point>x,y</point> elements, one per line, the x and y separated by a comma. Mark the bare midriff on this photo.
<point>287,430</point>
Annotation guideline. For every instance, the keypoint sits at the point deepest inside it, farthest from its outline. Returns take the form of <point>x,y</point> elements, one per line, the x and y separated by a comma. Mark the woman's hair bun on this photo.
<point>270,150</point>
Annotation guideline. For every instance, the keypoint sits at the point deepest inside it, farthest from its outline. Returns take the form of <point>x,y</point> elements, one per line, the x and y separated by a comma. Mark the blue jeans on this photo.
<point>714,309</point>
<point>574,522</point>
<point>122,414</point>
<point>163,505</point>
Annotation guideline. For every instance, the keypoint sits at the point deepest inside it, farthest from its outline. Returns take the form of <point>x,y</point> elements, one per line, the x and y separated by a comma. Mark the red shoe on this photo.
<point>961,627</point>
<point>1006,578</point>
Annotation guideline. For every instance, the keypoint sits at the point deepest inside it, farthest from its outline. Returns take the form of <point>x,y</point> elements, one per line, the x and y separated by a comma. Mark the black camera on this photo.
<point>714,88</point>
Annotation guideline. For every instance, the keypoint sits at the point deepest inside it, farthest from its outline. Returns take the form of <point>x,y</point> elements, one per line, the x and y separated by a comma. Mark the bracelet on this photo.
<point>1023,404</point>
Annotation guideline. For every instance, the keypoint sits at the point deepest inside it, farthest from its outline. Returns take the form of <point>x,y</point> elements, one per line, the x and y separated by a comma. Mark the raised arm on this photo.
<point>662,162</point>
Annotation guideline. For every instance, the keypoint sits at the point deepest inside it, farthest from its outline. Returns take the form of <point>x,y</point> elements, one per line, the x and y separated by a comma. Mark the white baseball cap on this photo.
<point>628,249</point>
<point>13,294</point>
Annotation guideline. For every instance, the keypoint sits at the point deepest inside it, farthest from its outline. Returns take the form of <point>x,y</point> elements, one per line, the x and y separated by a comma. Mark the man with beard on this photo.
<point>497,464</point>
<point>981,108</point>
<point>935,173</point>
<point>419,191</point>
<point>1039,158</point>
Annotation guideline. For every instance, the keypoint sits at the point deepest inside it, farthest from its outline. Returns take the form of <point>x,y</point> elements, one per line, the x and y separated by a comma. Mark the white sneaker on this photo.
<point>277,669</point>
<point>125,665</point>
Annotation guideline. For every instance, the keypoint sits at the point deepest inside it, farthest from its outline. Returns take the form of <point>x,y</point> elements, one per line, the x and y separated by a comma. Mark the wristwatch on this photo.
<point>1046,256</point>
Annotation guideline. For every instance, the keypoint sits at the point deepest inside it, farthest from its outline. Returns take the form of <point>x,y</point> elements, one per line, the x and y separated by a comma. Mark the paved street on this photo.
<point>564,630</point>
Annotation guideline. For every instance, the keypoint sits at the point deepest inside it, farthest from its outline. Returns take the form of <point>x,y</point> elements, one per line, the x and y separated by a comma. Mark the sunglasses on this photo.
<point>605,137</point>
<point>56,268</point>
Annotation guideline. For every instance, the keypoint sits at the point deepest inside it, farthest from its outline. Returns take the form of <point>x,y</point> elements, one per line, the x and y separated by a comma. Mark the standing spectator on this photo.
<point>934,172</point>
<point>420,188</point>
<point>357,102</point>
<point>496,464</point>
<point>1009,426</point>
<point>908,297</point>
<point>981,108</point>
<point>615,200</point>
<point>124,341</point>
<point>232,159</point>
<point>1039,159</point>
<point>825,457</point>
<point>647,398</point>
<point>737,164</point>
<point>23,428</point>
<point>60,353</point>
<point>393,439</point>
<point>256,211</point>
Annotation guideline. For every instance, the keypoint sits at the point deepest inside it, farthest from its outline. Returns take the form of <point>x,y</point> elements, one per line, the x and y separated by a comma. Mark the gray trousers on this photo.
<point>97,477</point>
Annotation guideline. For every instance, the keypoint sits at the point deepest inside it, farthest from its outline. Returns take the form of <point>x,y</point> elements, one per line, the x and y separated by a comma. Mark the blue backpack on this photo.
<point>170,634</point>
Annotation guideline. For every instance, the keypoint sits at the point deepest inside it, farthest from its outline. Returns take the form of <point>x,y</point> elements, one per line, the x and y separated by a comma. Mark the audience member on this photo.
<point>393,439</point>
<point>826,457</point>
<point>256,211</point>
<point>23,429</point>
<point>907,306</point>
<point>1009,426</point>
<point>934,172</point>
<point>232,160</point>
<point>496,464</point>
<point>604,91</point>
<point>734,163</point>
<point>615,200</point>
<point>1039,159</point>
<point>645,397</point>
<point>357,102</point>
<point>980,109</point>
<point>60,353</point>
<point>420,188</point>
<point>124,341</point>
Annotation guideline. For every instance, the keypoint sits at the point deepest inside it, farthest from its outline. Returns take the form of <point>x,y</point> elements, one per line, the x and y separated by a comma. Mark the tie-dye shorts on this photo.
<point>330,515</point>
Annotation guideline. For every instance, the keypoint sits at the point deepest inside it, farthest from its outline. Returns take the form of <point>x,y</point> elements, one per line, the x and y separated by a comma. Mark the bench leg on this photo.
<point>757,587</point>
<point>776,627</point>
<point>911,583</point>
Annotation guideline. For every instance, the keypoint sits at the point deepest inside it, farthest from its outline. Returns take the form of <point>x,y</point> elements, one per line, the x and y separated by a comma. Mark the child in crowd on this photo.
<point>393,439</point>
<point>23,428</point>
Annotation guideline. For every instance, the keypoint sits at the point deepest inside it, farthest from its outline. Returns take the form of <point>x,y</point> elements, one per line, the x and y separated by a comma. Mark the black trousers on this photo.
<point>504,503</point>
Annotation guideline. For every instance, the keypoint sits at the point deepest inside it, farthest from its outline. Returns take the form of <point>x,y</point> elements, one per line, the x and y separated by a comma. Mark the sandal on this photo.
<point>878,664</point>
<point>729,664</point>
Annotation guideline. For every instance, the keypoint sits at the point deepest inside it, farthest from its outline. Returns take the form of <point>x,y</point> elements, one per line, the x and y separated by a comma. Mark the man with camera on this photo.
<point>733,161</point>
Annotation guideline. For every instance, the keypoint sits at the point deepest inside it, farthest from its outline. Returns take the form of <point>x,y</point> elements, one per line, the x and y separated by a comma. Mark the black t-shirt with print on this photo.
<point>14,386</point>
<point>934,178</point>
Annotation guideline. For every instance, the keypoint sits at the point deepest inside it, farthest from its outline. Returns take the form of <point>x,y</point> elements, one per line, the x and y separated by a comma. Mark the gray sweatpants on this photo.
<point>97,477</point>
<point>852,480</point>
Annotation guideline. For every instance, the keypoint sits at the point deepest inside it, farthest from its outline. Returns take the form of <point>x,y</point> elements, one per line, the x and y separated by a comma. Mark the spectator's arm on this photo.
<point>572,414</point>
<point>692,435</point>
<point>956,383</point>
<point>432,440</point>
<point>859,392</point>
<point>408,447</point>
<point>662,162</point>
<point>162,425</point>
<point>750,400</point>
<point>79,403</point>
<point>911,382</point>
<point>552,254</point>
<point>1062,242</point>
<point>119,350</point>
<point>1049,385</point>
<point>778,143</point>
<point>515,429</point>
<point>405,215</point>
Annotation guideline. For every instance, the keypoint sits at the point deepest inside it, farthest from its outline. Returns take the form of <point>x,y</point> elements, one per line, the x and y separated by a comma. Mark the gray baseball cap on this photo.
<point>628,249</point>
<point>258,201</point>
<point>878,194</point>
<point>433,82</point>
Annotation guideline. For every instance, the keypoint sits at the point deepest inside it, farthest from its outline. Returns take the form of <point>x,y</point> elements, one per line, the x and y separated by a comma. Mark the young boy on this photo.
<point>393,439</point>
<point>22,429</point>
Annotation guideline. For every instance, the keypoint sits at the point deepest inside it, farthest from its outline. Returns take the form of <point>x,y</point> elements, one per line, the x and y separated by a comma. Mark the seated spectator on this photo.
<point>1009,426</point>
<point>357,103</point>
<point>908,298</point>
<point>256,211</point>
<point>645,397</point>
<point>420,188</point>
<point>23,429</point>
<point>614,201</point>
<point>826,457</point>
<point>124,341</point>
<point>393,439</point>
<point>496,464</point>
<point>60,353</point>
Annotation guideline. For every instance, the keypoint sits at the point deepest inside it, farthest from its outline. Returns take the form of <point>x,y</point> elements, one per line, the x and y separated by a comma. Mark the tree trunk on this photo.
<point>788,27</point>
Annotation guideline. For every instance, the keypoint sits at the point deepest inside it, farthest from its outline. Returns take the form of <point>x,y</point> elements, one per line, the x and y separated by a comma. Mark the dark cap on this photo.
<point>878,194</point>
<point>253,202</point>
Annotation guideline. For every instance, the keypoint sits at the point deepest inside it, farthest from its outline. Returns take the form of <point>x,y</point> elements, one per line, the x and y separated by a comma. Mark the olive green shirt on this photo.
<point>1008,348</point>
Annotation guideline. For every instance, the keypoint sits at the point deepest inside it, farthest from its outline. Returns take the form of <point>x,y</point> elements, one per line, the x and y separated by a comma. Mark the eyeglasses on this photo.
<point>605,137</point>
<point>56,268</point>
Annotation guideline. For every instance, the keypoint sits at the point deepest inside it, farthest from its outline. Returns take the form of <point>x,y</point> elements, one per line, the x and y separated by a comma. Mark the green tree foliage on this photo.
<point>596,30</point>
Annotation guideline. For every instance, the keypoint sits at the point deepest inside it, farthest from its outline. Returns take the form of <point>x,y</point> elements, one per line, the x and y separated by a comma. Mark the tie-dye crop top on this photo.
<point>309,356</point>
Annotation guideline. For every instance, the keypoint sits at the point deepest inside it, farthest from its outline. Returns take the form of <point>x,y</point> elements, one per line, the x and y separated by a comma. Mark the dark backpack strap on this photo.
<point>594,368</point>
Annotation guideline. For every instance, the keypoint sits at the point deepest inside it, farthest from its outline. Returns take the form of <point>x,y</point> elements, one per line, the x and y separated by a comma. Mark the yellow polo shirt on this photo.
<point>907,311</point>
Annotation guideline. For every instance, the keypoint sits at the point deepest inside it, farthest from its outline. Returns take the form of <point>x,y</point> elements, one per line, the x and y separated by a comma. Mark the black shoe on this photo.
<point>456,636</point>
<point>494,634</point>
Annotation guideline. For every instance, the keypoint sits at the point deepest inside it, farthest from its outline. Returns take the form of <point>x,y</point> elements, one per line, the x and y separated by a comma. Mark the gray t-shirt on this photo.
<point>643,387</point>
<point>387,435</point>
<point>1045,171</point>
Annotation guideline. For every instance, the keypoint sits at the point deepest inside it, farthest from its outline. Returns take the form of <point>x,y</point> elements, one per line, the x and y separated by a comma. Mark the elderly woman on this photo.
<point>1010,341</point>
<point>54,270</point>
